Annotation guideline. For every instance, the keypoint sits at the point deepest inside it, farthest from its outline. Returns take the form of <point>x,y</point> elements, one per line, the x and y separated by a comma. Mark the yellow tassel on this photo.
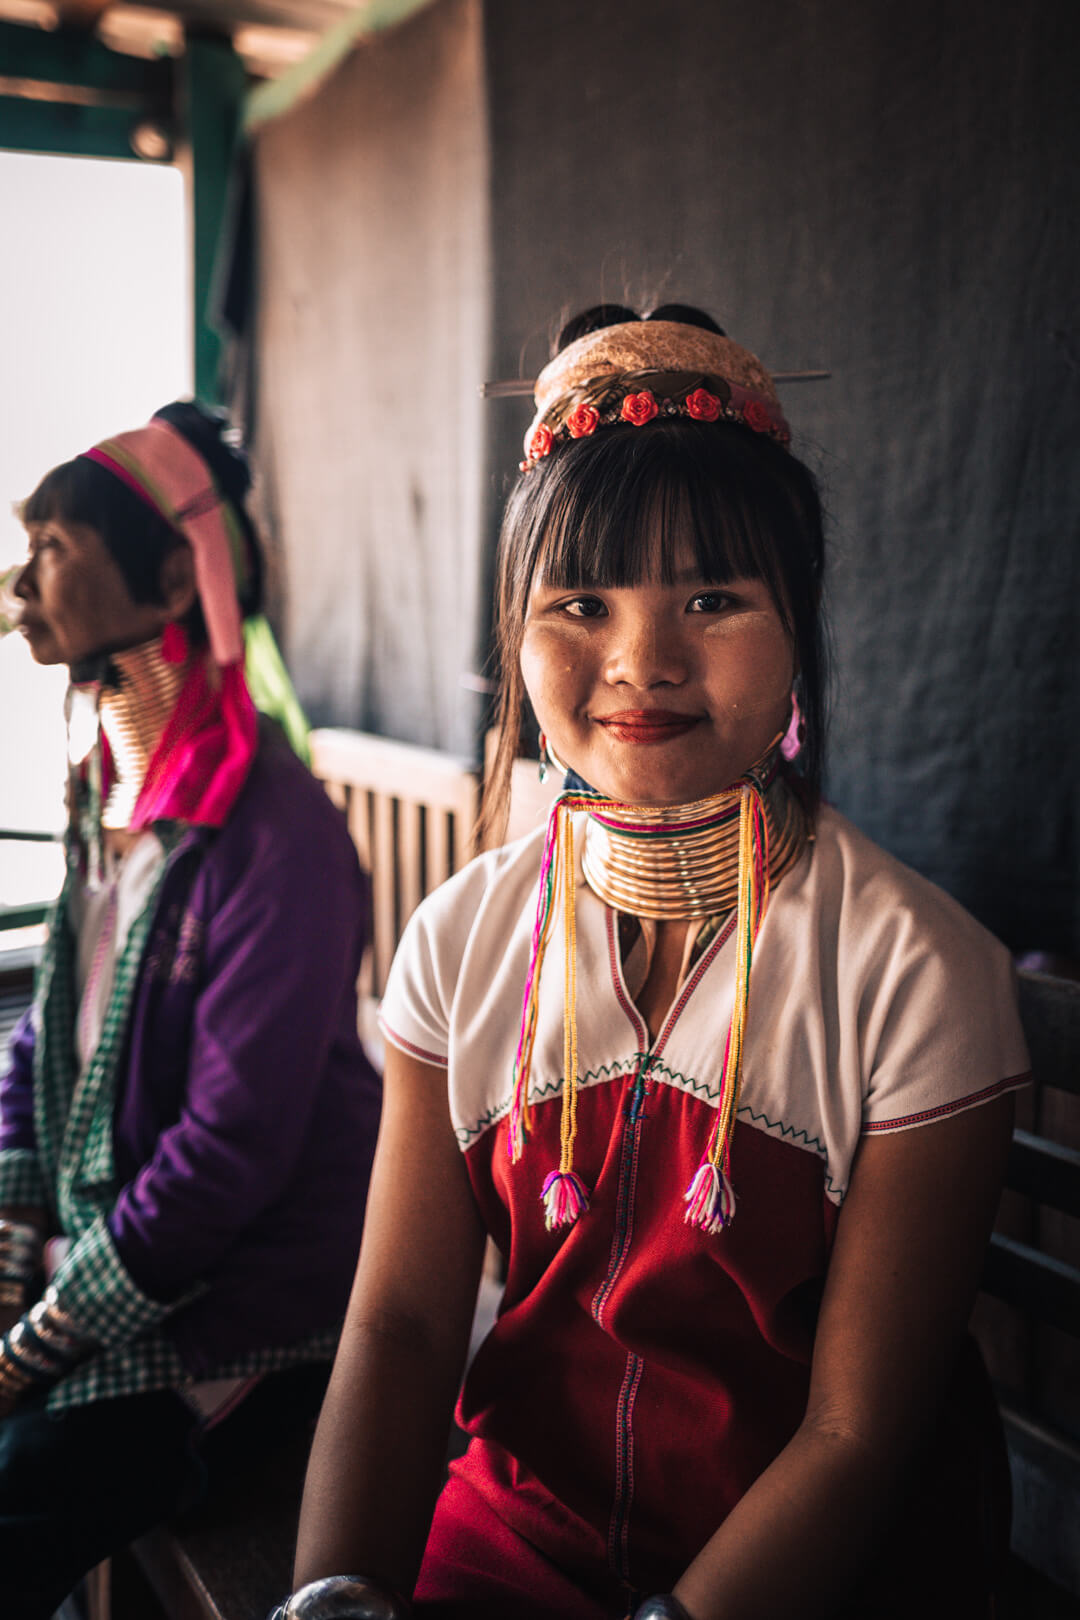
<point>753,898</point>
<point>568,1126</point>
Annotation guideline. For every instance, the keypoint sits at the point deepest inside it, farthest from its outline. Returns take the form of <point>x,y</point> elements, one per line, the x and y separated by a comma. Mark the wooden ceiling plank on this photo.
<point>225,15</point>
<point>80,13</point>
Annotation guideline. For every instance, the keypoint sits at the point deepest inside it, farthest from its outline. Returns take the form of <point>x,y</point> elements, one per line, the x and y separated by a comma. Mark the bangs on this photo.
<point>623,507</point>
<point>65,495</point>
<point>136,536</point>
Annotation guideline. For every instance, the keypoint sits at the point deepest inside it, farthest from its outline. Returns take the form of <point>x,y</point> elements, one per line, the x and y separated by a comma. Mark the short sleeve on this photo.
<point>422,998</point>
<point>414,1014</point>
<point>941,1026</point>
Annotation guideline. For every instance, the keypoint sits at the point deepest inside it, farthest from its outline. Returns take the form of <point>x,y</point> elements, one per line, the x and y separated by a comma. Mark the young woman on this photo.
<point>728,1086</point>
<point>186,1109</point>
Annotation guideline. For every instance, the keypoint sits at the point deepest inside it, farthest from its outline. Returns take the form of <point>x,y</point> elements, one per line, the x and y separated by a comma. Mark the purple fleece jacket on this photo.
<point>246,1109</point>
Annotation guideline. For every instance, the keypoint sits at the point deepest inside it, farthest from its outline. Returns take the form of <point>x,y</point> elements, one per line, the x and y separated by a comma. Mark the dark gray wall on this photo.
<point>888,191</point>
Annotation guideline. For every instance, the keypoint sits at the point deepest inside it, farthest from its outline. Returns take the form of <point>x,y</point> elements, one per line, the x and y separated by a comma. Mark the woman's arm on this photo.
<point>902,1279</point>
<point>276,970</point>
<point>277,964</point>
<point>377,1461</point>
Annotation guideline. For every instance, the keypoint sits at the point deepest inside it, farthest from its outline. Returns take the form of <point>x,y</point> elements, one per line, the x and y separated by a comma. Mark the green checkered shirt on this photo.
<point>73,1172</point>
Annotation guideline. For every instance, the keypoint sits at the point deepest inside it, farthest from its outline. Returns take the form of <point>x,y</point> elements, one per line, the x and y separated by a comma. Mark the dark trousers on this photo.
<point>76,1488</point>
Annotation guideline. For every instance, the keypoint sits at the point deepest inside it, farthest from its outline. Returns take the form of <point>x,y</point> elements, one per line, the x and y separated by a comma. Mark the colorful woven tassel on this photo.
<point>520,1113</point>
<point>564,1197</point>
<point>564,1193</point>
<point>710,1198</point>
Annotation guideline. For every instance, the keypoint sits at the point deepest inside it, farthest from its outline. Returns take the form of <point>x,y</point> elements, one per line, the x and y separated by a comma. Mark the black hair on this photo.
<point>136,537</point>
<point>600,315</point>
<point>589,514</point>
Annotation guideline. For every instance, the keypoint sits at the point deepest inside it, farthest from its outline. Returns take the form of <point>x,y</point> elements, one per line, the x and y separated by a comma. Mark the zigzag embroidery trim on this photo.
<point>548,1090</point>
<point>545,1091</point>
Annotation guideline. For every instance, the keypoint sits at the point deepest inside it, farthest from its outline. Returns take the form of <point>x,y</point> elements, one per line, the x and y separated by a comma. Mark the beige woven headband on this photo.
<point>639,370</point>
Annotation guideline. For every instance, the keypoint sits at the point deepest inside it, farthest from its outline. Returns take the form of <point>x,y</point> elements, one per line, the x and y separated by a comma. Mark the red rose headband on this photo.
<point>639,370</point>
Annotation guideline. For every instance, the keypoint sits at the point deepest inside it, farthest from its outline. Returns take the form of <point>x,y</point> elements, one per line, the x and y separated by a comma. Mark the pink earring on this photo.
<point>174,643</point>
<point>791,746</point>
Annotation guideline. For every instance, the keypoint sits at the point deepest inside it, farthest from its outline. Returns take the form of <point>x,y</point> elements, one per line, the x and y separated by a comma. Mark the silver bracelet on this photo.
<point>44,1344</point>
<point>664,1606</point>
<point>20,1251</point>
<point>343,1597</point>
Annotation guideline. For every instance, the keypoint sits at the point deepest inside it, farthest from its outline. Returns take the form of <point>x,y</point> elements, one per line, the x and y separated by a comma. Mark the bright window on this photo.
<point>94,336</point>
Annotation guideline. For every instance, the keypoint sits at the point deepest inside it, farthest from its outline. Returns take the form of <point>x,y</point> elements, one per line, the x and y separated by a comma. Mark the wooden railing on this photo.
<point>412,815</point>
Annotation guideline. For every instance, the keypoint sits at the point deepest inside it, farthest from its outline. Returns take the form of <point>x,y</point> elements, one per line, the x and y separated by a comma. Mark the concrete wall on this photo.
<point>372,345</point>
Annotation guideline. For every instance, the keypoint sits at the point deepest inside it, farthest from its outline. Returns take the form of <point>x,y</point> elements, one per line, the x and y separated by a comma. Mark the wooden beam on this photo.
<point>70,56</point>
<point>67,93</point>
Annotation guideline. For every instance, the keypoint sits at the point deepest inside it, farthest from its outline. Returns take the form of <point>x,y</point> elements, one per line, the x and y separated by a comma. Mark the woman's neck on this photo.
<point>138,696</point>
<point>683,861</point>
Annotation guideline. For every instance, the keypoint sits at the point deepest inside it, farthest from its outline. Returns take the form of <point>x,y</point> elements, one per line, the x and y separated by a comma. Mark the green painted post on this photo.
<point>214,85</point>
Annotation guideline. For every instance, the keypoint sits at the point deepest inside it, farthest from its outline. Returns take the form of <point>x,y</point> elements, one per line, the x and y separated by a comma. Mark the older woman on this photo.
<point>187,1106</point>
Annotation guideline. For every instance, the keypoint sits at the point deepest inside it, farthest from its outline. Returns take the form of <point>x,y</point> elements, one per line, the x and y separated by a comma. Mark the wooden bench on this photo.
<point>230,1560</point>
<point>1029,1327</point>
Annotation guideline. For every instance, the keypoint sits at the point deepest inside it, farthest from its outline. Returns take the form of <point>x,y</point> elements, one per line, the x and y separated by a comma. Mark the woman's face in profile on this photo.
<point>658,693</point>
<point>74,600</point>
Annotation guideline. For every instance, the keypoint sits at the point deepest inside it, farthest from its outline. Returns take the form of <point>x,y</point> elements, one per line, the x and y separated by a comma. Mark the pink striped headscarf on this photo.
<point>206,749</point>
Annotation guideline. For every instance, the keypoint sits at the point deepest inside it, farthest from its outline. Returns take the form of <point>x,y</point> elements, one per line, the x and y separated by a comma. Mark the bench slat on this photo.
<point>439,863</point>
<point>411,888</point>
<point>383,880</point>
<point>1050,1012</point>
<point>1045,1171</point>
<point>1033,1283</point>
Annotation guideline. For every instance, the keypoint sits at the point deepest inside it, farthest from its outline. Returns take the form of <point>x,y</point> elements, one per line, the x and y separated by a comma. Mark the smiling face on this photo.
<point>657,590</point>
<point>660,692</point>
<point>74,600</point>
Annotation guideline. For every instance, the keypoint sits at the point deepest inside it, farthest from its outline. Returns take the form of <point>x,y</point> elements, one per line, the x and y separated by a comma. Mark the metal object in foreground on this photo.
<point>342,1597</point>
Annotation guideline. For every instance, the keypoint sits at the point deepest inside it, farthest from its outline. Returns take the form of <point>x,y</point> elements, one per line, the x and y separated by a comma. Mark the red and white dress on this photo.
<point>642,1373</point>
